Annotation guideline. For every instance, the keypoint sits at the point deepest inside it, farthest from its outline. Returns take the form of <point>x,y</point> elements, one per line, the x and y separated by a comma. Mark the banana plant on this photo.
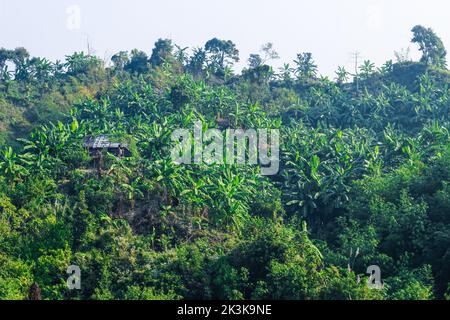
<point>11,165</point>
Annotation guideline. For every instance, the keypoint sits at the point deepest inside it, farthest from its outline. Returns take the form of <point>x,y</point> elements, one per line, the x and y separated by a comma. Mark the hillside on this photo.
<point>363,178</point>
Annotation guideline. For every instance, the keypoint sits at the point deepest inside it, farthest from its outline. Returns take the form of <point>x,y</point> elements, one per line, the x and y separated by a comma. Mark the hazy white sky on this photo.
<point>330,29</point>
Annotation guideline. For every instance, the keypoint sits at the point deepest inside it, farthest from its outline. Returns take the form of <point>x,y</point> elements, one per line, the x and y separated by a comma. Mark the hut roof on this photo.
<point>102,142</point>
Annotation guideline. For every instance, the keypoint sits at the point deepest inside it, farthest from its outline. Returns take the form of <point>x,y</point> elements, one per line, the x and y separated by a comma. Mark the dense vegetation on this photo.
<point>364,177</point>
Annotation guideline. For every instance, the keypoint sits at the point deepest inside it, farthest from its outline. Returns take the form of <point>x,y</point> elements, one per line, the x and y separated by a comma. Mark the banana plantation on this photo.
<point>363,179</point>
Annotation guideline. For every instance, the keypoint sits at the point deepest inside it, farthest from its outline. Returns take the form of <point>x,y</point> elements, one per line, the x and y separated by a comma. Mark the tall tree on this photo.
<point>20,57</point>
<point>305,66</point>
<point>5,56</point>
<point>41,68</point>
<point>197,61</point>
<point>432,47</point>
<point>367,69</point>
<point>138,62</point>
<point>181,55</point>
<point>162,52</point>
<point>120,60</point>
<point>342,75</point>
<point>285,73</point>
<point>221,54</point>
<point>80,63</point>
<point>267,53</point>
<point>255,61</point>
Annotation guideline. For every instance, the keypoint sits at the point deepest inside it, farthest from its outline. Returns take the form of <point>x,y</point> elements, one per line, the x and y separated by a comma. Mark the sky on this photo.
<point>330,29</point>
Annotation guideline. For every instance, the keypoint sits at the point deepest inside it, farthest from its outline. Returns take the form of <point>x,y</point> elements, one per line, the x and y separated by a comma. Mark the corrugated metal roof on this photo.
<point>101,142</point>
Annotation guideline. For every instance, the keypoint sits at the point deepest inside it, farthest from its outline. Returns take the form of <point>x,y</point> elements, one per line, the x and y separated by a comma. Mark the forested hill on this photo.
<point>364,177</point>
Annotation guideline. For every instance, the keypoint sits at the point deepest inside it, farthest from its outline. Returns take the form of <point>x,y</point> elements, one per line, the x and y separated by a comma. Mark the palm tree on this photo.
<point>181,55</point>
<point>387,67</point>
<point>42,69</point>
<point>305,66</point>
<point>342,75</point>
<point>58,68</point>
<point>285,73</point>
<point>367,69</point>
<point>76,62</point>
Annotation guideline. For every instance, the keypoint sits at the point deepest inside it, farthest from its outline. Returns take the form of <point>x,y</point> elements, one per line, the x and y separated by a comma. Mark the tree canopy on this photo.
<point>432,47</point>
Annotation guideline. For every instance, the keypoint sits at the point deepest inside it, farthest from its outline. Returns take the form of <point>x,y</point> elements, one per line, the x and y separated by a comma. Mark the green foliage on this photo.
<point>221,53</point>
<point>364,177</point>
<point>431,45</point>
